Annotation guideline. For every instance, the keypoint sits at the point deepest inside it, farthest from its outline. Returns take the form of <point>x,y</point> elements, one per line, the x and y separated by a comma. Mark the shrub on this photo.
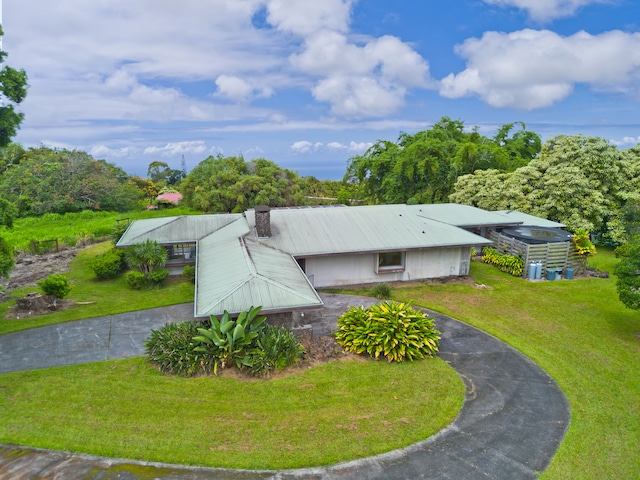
<point>394,330</point>
<point>505,262</point>
<point>135,279</point>
<point>172,350</point>
<point>7,258</point>
<point>189,271</point>
<point>117,230</point>
<point>157,276</point>
<point>276,348</point>
<point>232,337</point>
<point>109,264</point>
<point>57,285</point>
<point>381,290</point>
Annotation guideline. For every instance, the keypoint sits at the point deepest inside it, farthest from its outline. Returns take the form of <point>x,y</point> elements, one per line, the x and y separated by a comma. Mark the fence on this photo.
<point>551,255</point>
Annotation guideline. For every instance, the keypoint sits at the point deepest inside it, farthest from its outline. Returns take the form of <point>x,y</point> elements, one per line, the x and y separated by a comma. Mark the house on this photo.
<point>278,257</point>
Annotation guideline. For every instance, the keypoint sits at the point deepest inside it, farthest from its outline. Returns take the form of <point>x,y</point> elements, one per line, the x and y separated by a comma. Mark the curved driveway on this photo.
<point>513,418</point>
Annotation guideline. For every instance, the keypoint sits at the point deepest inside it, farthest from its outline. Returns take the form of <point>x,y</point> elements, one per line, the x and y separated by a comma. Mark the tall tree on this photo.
<point>229,184</point>
<point>422,168</point>
<point>13,90</point>
<point>583,182</point>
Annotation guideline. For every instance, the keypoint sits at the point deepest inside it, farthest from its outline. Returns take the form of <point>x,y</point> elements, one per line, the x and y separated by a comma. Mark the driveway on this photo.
<point>513,418</point>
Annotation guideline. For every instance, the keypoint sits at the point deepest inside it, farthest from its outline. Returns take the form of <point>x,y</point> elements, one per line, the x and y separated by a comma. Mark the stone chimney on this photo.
<point>263,220</point>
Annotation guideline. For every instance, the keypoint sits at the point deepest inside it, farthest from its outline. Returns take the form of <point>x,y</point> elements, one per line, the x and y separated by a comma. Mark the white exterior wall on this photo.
<point>332,271</point>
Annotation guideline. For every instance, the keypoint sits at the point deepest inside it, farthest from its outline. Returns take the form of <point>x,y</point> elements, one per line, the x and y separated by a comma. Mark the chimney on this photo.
<point>263,221</point>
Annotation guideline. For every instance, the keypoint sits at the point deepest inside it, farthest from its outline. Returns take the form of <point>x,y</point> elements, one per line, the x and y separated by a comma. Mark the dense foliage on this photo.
<point>7,259</point>
<point>229,184</point>
<point>423,167</point>
<point>146,256</point>
<point>390,329</point>
<point>108,264</point>
<point>583,182</point>
<point>13,90</point>
<point>627,272</point>
<point>195,348</point>
<point>44,180</point>
<point>57,285</point>
<point>506,263</point>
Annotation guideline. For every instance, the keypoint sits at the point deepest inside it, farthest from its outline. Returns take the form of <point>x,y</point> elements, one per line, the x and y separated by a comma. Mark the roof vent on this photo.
<point>263,221</point>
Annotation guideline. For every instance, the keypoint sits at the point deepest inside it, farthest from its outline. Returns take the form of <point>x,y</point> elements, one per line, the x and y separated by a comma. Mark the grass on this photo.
<point>70,228</point>
<point>95,298</point>
<point>335,412</point>
<point>578,332</point>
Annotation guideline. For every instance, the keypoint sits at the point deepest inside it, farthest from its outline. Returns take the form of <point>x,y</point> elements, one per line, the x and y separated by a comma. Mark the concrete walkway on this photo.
<point>512,421</point>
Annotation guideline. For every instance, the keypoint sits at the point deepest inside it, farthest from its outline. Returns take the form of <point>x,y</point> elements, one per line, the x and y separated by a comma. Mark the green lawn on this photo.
<point>578,332</point>
<point>323,415</point>
<point>95,298</point>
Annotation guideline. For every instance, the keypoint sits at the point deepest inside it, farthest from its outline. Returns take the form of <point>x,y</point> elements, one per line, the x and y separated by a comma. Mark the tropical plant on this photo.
<point>57,285</point>
<point>146,256</point>
<point>393,330</point>
<point>172,350</point>
<point>275,349</point>
<point>230,337</point>
<point>506,263</point>
<point>584,246</point>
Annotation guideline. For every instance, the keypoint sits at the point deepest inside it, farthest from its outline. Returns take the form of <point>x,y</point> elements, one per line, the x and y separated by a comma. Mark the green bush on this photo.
<point>390,329</point>
<point>232,338</point>
<point>57,285</point>
<point>135,279</point>
<point>189,271</point>
<point>7,258</point>
<point>505,262</point>
<point>157,276</point>
<point>172,350</point>
<point>381,290</point>
<point>276,349</point>
<point>109,264</point>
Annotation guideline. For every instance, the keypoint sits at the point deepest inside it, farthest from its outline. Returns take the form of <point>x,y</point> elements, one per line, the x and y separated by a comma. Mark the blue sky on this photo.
<point>307,84</point>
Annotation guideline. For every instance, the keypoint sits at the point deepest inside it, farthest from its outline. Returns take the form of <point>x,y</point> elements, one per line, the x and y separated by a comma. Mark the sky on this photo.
<point>309,85</point>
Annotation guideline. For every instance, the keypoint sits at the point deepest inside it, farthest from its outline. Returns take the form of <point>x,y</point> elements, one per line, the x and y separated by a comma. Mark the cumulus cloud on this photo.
<point>531,69</point>
<point>238,89</point>
<point>103,151</point>
<point>627,141</point>
<point>545,10</point>
<point>179,148</point>
<point>306,18</point>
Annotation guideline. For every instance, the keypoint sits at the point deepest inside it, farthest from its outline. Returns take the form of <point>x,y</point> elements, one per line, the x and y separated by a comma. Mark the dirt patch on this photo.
<point>31,268</point>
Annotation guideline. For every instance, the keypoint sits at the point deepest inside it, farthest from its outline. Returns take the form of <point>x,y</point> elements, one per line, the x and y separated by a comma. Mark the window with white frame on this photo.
<point>390,262</point>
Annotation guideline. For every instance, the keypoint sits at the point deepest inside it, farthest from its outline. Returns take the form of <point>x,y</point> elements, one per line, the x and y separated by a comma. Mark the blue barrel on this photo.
<point>551,274</point>
<point>568,273</point>
<point>532,271</point>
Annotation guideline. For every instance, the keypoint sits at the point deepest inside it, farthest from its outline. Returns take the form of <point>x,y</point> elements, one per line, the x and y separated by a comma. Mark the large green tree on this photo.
<point>230,184</point>
<point>57,181</point>
<point>13,90</point>
<point>583,182</point>
<point>423,167</point>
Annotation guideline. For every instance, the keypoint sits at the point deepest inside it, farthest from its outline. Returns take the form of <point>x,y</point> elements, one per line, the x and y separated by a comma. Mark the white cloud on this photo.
<point>308,147</point>
<point>531,69</point>
<point>302,146</point>
<point>241,90</point>
<point>304,18</point>
<point>627,141</point>
<point>103,151</point>
<point>179,148</point>
<point>354,147</point>
<point>545,10</point>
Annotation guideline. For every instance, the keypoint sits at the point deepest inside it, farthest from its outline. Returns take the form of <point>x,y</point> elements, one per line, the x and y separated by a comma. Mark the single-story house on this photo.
<point>278,257</point>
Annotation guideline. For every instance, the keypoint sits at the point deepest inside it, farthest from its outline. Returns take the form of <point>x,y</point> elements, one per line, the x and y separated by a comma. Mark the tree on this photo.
<point>161,174</point>
<point>423,167</point>
<point>583,182</point>
<point>229,184</point>
<point>7,259</point>
<point>13,90</point>
<point>146,256</point>
<point>627,272</point>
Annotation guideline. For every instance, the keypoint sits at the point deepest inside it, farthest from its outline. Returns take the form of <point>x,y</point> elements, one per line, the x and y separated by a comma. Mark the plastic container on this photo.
<point>532,271</point>
<point>551,274</point>
<point>568,273</point>
<point>538,270</point>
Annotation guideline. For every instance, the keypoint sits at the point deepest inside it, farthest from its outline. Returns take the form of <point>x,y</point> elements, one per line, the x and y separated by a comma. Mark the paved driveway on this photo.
<point>512,421</point>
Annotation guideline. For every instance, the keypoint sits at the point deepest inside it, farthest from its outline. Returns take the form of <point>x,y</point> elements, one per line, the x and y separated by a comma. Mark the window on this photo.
<point>390,262</point>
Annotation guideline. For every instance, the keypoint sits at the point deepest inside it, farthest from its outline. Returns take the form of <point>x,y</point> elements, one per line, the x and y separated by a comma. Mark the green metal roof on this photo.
<point>323,231</point>
<point>529,220</point>
<point>187,228</point>
<point>462,215</point>
<point>233,275</point>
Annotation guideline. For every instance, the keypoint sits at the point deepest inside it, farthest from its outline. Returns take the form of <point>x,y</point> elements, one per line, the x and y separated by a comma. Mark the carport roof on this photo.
<point>464,216</point>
